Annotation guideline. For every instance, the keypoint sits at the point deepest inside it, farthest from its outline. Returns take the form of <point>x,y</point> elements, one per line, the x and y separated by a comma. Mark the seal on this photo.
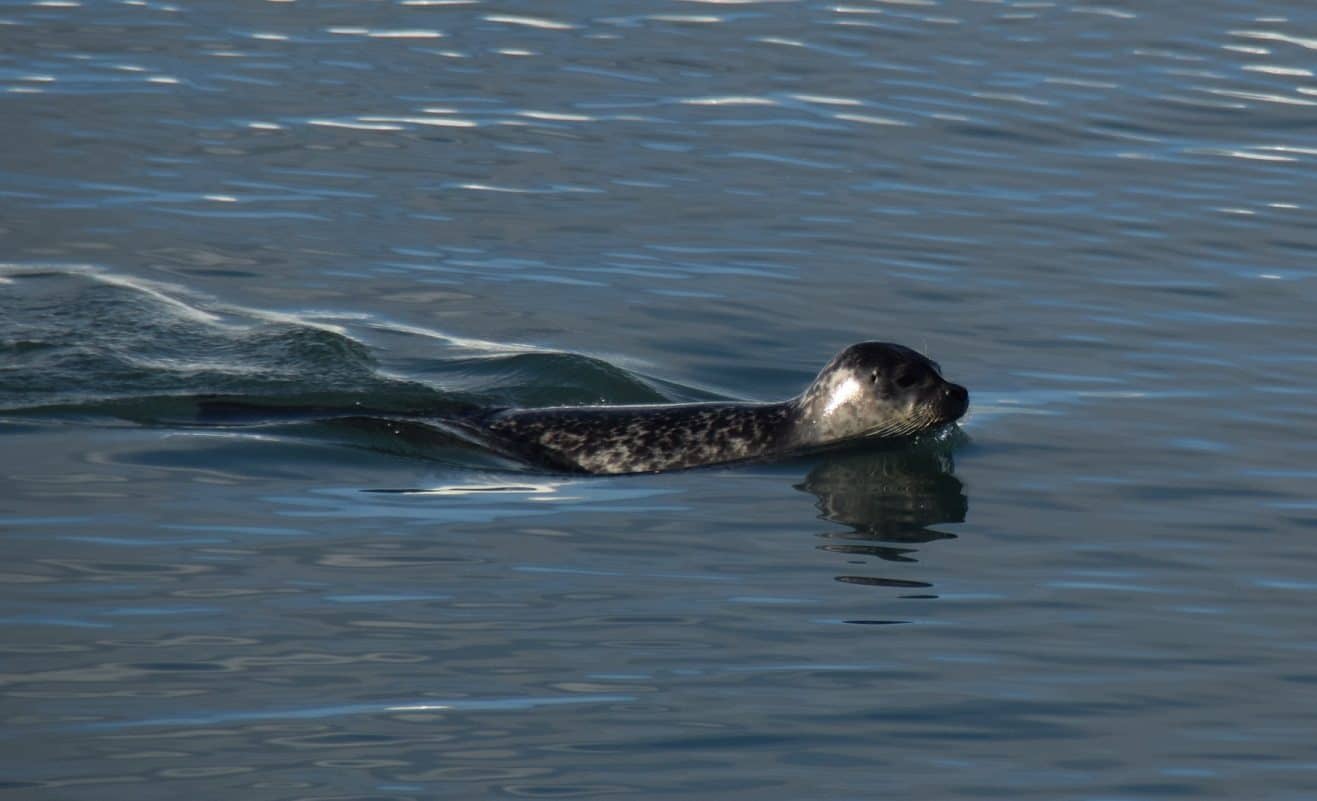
<point>869,391</point>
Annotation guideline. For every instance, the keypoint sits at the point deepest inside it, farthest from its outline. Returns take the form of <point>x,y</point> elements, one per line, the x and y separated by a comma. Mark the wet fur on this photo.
<point>868,391</point>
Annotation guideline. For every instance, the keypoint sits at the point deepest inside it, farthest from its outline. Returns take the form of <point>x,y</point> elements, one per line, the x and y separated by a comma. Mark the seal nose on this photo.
<point>957,399</point>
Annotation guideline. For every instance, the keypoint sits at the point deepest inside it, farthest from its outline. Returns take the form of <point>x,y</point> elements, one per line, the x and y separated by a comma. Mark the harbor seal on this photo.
<point>871,390</point>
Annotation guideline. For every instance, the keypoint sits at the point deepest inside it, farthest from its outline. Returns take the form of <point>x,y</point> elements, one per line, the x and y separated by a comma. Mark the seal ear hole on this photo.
<point>873,377</point>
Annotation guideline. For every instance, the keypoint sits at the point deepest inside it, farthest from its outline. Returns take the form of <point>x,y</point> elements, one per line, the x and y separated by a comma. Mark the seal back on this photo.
<point>870,390</point>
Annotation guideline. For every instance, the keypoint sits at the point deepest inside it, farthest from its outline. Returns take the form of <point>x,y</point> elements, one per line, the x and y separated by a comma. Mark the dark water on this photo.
<point>1097,217</point>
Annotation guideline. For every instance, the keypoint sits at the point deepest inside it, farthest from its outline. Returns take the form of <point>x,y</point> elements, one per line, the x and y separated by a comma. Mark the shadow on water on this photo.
<point>889,501</point>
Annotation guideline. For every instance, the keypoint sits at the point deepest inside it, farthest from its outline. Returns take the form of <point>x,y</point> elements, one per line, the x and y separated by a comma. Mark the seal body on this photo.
<point>871,390</point>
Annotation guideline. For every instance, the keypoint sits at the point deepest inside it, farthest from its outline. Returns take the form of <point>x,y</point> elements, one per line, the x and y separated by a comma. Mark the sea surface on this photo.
<point>1099,217</point>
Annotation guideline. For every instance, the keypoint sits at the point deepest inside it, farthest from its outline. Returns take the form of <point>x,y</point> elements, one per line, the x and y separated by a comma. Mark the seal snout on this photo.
<point>957,400</point>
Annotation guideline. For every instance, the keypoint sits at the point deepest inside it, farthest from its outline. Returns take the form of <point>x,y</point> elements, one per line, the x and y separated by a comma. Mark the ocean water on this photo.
<point>1097,217</point>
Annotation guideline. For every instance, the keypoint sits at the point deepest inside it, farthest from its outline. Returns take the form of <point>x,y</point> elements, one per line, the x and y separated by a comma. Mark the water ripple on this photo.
<point>1098,213</point>
<point>404,707</point>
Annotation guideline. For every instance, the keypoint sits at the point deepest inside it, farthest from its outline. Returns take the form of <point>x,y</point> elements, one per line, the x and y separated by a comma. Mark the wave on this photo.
<point>79,341</point>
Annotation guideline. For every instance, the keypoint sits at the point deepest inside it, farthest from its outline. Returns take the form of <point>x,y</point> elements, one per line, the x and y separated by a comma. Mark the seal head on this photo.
<point>871,390</point>
<point>874,390</point>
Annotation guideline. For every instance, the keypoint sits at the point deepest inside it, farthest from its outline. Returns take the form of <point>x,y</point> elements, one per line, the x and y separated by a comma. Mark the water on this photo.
<point>1097,217</point>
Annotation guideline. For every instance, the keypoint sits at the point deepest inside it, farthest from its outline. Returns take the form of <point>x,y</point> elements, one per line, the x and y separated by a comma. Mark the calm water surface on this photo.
<point>1097,217</point>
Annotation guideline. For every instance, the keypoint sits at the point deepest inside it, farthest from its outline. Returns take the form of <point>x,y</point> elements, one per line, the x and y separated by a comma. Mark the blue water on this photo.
<point>1099,218</point>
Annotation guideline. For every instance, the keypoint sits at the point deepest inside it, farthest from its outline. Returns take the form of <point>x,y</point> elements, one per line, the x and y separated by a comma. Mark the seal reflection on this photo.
<point>889,502</point>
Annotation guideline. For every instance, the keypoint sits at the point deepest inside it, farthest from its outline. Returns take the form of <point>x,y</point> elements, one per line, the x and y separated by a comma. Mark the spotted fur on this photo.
<point>870,390</point>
